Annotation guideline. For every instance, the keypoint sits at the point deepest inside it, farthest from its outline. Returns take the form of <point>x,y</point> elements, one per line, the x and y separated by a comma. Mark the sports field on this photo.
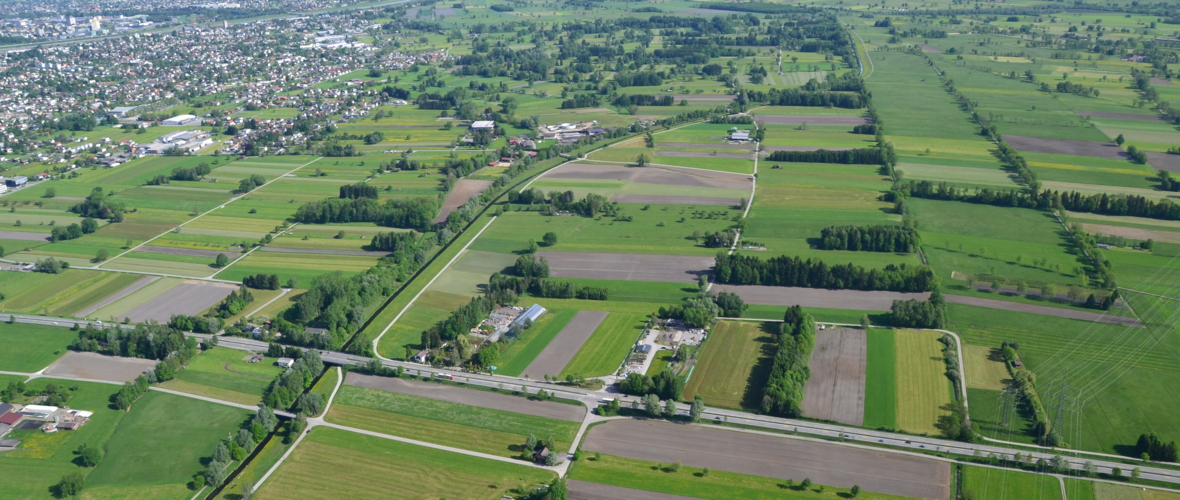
<point>733,365</point>
<point>922,386</point>
<point>332,463</point>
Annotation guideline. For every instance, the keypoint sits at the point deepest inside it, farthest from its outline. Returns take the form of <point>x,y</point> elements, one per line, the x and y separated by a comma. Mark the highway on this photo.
<point>851,436</point>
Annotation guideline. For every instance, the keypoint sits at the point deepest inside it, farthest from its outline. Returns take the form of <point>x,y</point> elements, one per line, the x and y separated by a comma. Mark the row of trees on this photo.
<point>539,286</point>
<point>784,270</point>
<point>878,238</point>
<point>406,213</point>
<point>237,448</point>
<point>796,97</point>
<point>592,205</point>
<point>261,281</point>
<point>783,394</point>
<point>861,156</point>
<point>73,231</point>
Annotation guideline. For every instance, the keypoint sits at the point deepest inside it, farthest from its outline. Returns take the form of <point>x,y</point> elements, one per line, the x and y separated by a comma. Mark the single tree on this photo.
<point>70,485</point>
<point>855,491</point>
<point>651,404</point>
<point>550,239</point>
<point>50,193</point>
<point>89,456</point>
<point>101,255</point>
<point>698,407</point>
<point>864,322</point>
<point>221,261</point>
<point>806,483</point>
<point>641,161</point>
<point>669,409</point>
<point>1135,473</point>
<point>1120,140</point>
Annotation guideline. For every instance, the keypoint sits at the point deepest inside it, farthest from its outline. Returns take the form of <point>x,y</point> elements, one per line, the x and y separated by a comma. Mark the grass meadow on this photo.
<point>881,389</point>
<point>29,348</point>
<point>607,347</point>
<point>1003,484</point>
<point>734,366</point>
<point>922,386</point>
<point>221,373</point>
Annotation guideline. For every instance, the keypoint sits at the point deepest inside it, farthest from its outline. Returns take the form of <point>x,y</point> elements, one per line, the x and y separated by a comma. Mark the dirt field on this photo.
<point>1133,232</point>
<point>191,252</point>
<point>810,120</point>
<point>1066,147</point>
<point>361,253</point>
<point>463,191</point>
<point>705,12</point>
<point>814,297</point>
<point>190,297</point>
<point>660,199</point>
<point>1155,80</point>
<point>762,455</point>
<point>705,145</point>
<point>702,154</point>
<point>1164,161</point>
<point>932,50</point>
<point>583,490</point>
<point>96,366</point>
<point>565,345</point>
<point>23,236</point>
<point>983,369</point>
<point>472,397</point>
<point>444,11</point>
<point>665,175</point>
<point>768,149</point>
<point>631,267</point>
<point>836,389</point>
<point>1120,116</point>
<point>704,98</point>
<point>1046,310</point>
<point>110,299</point>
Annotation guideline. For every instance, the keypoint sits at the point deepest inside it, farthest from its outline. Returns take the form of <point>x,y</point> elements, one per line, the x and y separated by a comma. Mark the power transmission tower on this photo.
<point>1065,403</point>
<point>1007,402</point>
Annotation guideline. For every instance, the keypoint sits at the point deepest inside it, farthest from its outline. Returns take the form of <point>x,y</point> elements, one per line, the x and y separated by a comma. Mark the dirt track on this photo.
<point>462,192</point>
<point>664,175</point>
<point>562,348</point>
<point>659,199</point>
<point>703,154</point>
<point>471,397</point>
<point>836,389</point>
<point>180,251</point>
<point>1060,312</point>
<point>1066,147</point>
<point>23,236</point>
<point>110,299</point>
<point>1120,116</point>
<point>815,297</point>
<point>582,490</point>
<point>190,298</point>
<point>1164,161</point>
<point>629,267</point>
<point>99,367</point>
<point>762,455</point>
<point>810,120</point>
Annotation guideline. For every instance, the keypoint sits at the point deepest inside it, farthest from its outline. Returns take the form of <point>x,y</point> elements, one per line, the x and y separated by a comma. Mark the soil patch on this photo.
<point>708,98</point>
<point>191,252</point>
<point>486,399</point>
<point>189,298</point>
<point>763,455</point>
<point>110,299</point>
<point>932,50</point>
<point>91,365</point>
<point>363,253</point>
<point>1120,116</point>
<point>565,345</point>
<point>706,145</point>
<point>817,297</point>
<point>444,11</point>
<point>23,236</point>
<point>1164,161</point>
<point>704,12</point>
<point>1155,80</point>
<point>836,389</point>
<point>463,191</point>
<point>628,267</point>
<point>658,199</point>
<point>810,120</point>
<point>1133,232</point>
<point>1066,147</point>
<point>703,154</point>
<point>1045,310</point>
<point>663,175</point>
<point>583,490</point>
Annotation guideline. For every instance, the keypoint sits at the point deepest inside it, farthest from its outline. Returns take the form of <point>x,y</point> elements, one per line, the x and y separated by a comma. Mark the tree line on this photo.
<point>913,313</point>
<point>261,281</point>
<point>1099,203</point>
<point>783,394</point>
<point>741,269</point>
<point>796,97</point>
<point>665,385</point>
<point>860,156</point>
<point>358,190</point>
<point>877,238</point>
<point>406,213</point>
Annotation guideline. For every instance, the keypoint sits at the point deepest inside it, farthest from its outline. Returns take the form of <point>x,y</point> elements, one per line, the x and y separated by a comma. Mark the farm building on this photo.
<point>740,136</point>
<point>529,315</point>
<point>10,418</point>
<point>483,125</point>
<point>17,181</point>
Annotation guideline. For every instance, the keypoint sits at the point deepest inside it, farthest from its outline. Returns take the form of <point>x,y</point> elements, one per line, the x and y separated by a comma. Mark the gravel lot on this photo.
<point>660,199</point>
<point>763,455</point>
<point>23,236</point>
<point>321,251</point>
<point>1045,310</point>
<point>180,251</point>
<point>665,175</point>
<point>582,490</point>
<point>97,366</point>
<point>1120,116</point>
<point>472,397</point>
<point>630,267</point>
<point>110,299</point>
<point>810,120</point>
<point>836,389</point>
<point>190,297</point>
<point>703,154</point>
<point>815,297</point>
<point>565,345</point>
<point>1066,147</point>
<point>459,195</point>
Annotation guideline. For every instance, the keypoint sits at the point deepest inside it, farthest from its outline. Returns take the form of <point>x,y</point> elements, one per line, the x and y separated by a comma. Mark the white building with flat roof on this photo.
<point>181,120</point>
<point>483,125</point>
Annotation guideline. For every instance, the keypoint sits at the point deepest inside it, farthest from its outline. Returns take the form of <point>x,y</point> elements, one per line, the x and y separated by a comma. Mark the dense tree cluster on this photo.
<point>190,174</point>
<point>406,213</point>
<point>73,231</point>
<point>915,313</point>
<point>196,324</point>
<point>285,389</point>
<point>531,266</point>
<point>879,238</point>
<point>237,300</point>
<point>540,287</point>
<point>592,205</point>
<point>640,79</point>
<point>741,269</point>
<point>148,340</point>
<point>99,206</point>
<point>581,101</point>
<point>336,303</point>
<point>358,190</point>
<point>783,394</point>
<point>1155,448</point>
<point>797,97</point>
<point>861,156</point>
<point>666,385</point>
<point>399,242</point>
<point>262,281</point>
<point>254,181</point>
<point>625,100</point>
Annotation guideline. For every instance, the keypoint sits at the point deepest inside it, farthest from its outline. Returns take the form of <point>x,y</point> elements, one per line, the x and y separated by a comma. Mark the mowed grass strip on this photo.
<point>607,347</point>
<point>332,464</point>
<point>1003,484</point>
<point>922,386</point>
<point>983,368</point>
<point>734,366</point>
<point>224,368</point>
<point>469,427</point>
<point>881,380</point>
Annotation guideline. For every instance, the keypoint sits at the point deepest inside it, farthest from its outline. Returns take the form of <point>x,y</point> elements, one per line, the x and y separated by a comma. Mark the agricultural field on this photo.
<point>734,365</point>
<point>922,386</point>
<point>999,484</point>
<point>607,347</point>
<point>29,348</point>
<point>226,374</point>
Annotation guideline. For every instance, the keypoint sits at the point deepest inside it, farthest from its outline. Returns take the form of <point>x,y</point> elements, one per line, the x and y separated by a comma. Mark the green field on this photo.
<point>922,386</point>
<point>881,390</point>
<point>221,373</point>
<point>29,348</point>
<point>1003,484</point>
<point>332,463</point>
<point>604,351</point>
<point>734,366</point>
<point>522,351</point>
<point>461,426</point>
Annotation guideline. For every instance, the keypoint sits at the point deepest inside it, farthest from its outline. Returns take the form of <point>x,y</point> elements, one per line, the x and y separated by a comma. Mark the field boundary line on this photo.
<point>207,212</point>
<point>425,444</point>
<point>271,301</point>
<point>462,251</point>
<point>252,250</point>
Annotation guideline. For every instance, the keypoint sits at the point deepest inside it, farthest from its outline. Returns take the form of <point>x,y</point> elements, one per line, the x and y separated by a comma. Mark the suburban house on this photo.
<point>285,362</point>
